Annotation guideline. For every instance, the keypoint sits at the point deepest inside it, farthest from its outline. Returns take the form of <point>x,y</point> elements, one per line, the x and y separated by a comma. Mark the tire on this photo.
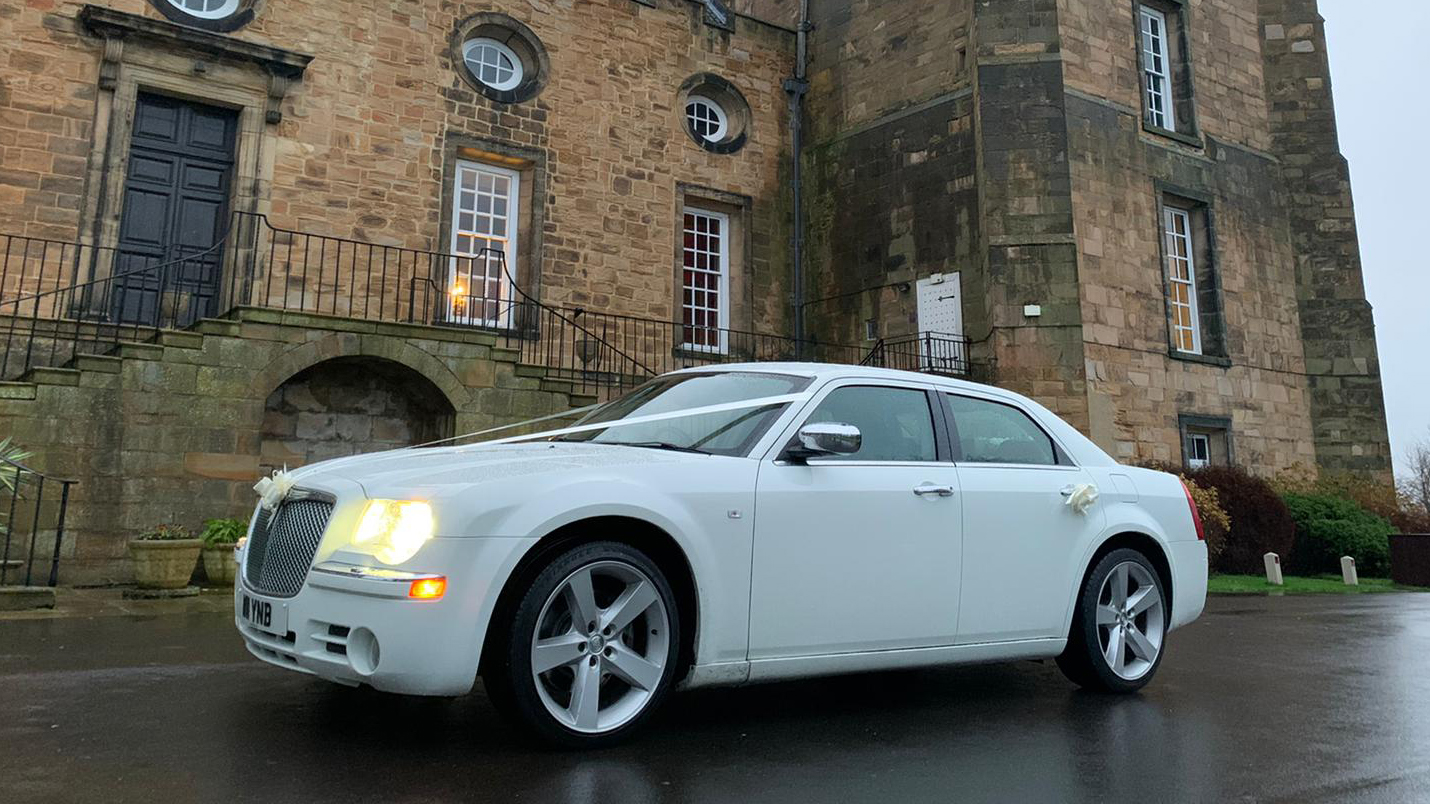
<point>628,660</point>
<point>1113,655</point>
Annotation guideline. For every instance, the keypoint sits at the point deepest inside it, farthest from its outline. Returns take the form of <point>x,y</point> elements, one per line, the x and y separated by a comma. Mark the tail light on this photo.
<point>1196,517</point>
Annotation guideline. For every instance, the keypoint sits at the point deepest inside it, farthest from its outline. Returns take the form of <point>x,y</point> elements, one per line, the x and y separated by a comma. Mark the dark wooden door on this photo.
<point>175,212</point>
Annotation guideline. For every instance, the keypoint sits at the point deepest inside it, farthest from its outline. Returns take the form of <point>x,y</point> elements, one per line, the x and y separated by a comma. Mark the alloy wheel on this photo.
<point>600,647</point>
<point>1130,620</point>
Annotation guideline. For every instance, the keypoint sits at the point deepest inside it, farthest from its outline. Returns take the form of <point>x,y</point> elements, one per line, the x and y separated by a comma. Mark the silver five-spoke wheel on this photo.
<point>1130,620</point>
<point>600,647</point>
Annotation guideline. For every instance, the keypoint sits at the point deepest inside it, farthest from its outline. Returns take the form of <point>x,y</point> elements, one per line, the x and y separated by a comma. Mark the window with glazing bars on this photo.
<point>484,210</point>
<point>1156,69</point>
<point>705,280</point>
<point>1182,280</point>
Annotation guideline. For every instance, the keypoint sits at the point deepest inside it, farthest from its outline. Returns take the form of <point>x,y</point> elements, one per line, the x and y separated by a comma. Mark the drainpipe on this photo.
<point>796,87</point>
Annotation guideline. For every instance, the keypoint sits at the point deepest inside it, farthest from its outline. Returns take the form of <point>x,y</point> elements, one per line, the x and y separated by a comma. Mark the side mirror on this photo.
<point>819,439</point>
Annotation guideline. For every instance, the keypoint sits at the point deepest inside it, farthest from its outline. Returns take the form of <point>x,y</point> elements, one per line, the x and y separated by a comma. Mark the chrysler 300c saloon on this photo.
<point>723,526</point>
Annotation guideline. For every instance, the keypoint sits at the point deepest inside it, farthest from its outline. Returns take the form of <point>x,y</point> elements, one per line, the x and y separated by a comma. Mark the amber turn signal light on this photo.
<point>428,589</point>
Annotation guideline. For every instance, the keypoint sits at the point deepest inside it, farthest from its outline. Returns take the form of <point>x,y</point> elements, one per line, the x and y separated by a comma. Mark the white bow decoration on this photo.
<point>1082,497</point>
<point>272,490</point>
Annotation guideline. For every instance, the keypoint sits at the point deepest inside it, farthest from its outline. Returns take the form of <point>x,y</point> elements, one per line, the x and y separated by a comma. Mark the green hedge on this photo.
<point>1329,526</point>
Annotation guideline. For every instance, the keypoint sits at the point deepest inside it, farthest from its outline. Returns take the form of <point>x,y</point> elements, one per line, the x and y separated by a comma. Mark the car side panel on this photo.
<point>706,506</point>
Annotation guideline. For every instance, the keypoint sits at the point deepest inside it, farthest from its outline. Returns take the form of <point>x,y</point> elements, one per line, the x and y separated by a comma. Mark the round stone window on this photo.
<point>220,16</point>
<point>206,9</point>
<point>716,114</point>
<point>493,63</point>
<point>499,57</point>
<point>705,118</point>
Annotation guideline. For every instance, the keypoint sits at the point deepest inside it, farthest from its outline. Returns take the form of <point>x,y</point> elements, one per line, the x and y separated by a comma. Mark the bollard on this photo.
<point>1273,569</point>
<point>1348,571</point>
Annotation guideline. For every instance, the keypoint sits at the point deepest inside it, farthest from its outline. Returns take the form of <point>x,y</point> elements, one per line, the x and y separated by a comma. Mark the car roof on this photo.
<point>829,371</point>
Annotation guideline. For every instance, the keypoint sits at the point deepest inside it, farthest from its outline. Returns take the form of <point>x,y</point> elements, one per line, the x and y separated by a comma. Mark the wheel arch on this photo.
<point>1142,542</point>
<point>641,534</point>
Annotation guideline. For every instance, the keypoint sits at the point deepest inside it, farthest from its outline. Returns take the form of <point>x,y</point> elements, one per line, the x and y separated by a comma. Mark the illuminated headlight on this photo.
<point>394,529</point>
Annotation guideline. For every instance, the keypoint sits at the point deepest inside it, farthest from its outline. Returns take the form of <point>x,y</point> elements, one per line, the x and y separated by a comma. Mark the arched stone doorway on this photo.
<point>351,405</point>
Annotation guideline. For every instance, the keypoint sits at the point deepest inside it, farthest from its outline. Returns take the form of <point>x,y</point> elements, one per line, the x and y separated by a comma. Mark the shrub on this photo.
<point>164,533</point>
<point>1375,496</point>
<point>1215,522</point>
<point>1329,526</point>
<point>219,532</point>
<point>1259,524</point>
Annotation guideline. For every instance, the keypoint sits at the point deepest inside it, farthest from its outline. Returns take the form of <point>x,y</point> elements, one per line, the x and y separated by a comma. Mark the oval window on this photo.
<point>492,63</point>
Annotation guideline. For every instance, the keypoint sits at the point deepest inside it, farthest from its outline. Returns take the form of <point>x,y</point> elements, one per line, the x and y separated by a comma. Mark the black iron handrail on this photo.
<point>260,265</point>
<point>21,473</point>
<point>79,313</point>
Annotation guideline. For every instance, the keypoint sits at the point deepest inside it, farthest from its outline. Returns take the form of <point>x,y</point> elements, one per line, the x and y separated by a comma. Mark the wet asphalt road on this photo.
<point>1302,699</point>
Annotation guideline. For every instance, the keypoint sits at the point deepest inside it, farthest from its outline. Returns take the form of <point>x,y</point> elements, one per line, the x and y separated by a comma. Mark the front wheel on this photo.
<point>1119,626</point>
<point>592,648</point>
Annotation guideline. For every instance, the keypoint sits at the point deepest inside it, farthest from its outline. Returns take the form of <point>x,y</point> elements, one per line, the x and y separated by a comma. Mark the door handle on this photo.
<point>928,488</point>
<point>1067,491</point>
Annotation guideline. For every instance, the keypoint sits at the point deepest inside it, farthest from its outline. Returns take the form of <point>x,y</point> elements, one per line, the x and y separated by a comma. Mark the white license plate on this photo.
<point>265,615</point>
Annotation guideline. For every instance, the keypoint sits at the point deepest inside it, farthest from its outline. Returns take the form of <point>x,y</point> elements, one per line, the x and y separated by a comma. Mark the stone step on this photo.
<point>179,340</point>
<point>529,370</point>
<point>104,363</point>
<point>52,376</point>
<point>218,326</point>
<point>140,351</point>
<point>17,390</point>
<point>505,355</point>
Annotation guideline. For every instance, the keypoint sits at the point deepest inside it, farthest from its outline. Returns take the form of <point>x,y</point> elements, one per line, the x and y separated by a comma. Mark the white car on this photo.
<point>720,526</point>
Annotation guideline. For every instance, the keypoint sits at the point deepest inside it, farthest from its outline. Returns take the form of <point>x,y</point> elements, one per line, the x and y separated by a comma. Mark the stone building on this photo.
<point>240,234</point>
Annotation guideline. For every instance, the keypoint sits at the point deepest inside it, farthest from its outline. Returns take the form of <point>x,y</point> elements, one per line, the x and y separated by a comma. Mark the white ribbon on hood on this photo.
<point>1082,497</point>
<point>272,490</point>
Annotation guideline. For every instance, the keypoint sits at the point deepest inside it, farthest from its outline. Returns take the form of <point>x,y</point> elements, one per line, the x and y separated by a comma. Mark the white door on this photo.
<point>1021,541</point>
<point>484,222</point>
<point>940,308</point>
<point>859,552</point>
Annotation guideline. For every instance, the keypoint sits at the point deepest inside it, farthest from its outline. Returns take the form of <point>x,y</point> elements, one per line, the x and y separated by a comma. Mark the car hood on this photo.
<point>435,471</point>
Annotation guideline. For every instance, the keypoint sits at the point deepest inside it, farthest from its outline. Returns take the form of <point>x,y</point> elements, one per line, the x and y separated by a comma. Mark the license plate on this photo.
<point>265,615</point>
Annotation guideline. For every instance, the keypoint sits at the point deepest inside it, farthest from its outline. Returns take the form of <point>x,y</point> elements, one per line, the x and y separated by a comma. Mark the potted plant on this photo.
<point>164,557</point>
<point>220,543</point>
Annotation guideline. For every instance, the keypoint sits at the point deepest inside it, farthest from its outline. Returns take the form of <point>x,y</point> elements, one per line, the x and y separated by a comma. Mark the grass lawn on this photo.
<point>1318,584</point>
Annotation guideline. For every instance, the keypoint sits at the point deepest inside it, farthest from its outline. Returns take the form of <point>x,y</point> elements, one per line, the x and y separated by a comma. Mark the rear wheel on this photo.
<point>592,647</point>
<point>1119,626</point>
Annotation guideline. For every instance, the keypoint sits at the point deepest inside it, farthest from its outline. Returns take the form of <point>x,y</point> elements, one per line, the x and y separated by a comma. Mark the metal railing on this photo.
<point>61,300</point>
<point>32,522</point>
<point>927,352</point>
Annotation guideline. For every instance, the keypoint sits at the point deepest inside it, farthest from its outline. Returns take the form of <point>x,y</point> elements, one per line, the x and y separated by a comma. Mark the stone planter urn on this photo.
<point>164,563</point>
<point>221,563</point>
<point>1410,558</point>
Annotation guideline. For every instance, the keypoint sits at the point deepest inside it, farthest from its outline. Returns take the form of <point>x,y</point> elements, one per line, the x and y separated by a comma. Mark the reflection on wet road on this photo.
<point>1263,699</point>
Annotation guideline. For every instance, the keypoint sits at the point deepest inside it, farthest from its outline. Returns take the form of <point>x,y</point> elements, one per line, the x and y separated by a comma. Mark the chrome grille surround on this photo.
<point>283,542</point>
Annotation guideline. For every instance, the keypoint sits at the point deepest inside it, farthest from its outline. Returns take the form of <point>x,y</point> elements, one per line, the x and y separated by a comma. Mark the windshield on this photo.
<point>726,432</point>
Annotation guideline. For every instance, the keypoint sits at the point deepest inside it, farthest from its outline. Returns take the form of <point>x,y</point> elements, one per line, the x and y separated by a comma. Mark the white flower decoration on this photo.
<point>272,490</point>
<point>1082,497</point>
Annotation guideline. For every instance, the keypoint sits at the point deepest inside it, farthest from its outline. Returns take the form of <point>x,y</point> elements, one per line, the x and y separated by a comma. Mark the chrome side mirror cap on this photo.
<point>824,438</point>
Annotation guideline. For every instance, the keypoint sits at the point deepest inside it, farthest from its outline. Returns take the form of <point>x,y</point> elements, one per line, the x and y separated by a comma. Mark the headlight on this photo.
<point>395,529</point>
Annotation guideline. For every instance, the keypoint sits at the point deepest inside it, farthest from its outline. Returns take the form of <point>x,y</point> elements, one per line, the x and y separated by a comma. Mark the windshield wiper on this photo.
<point>653,445</point>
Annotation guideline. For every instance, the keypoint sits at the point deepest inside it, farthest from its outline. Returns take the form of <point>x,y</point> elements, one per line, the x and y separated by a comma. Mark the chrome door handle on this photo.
<point>1067,491</point>
<point>929,488</point>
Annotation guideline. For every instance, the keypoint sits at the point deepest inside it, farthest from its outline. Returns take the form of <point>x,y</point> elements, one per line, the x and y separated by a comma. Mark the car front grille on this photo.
<point>283,543</point>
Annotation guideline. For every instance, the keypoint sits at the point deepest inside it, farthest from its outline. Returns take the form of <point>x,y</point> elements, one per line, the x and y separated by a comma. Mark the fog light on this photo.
<point>428,589</point>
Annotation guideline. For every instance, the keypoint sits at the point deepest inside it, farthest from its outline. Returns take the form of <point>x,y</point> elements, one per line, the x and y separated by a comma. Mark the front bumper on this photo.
<point>356,630</point>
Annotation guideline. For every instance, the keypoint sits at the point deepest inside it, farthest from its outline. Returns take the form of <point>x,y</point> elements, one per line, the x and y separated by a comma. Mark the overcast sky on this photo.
<point>1378,52</point>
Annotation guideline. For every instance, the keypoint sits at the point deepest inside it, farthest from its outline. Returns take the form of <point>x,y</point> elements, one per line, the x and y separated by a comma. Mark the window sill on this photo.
<point>1192,357</point>
<point>1193,140</point>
